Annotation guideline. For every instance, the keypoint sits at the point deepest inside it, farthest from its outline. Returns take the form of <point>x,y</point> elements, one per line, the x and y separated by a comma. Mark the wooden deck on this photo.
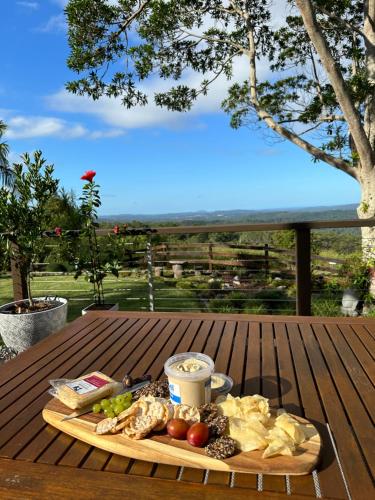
<point>320,368</point>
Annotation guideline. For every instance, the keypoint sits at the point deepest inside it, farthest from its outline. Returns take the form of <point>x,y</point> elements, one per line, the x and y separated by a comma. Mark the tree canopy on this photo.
<point>319,90</point>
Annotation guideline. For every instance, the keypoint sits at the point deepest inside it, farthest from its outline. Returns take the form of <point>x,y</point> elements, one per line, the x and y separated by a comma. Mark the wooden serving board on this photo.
<point>163,449</point>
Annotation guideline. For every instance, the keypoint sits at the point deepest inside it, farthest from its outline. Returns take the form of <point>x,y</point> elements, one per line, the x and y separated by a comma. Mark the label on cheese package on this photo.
<point>86,385</point>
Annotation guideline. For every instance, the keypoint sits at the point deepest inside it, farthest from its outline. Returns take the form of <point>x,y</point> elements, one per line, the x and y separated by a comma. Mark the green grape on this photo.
<point>104,403</point>
<point>118,409</point>
<point>120,399</point>
<point>112,401</point>
<point>109,413</point>
<point>126,405</point>
<point>97,408</point>
<point>127,396</point>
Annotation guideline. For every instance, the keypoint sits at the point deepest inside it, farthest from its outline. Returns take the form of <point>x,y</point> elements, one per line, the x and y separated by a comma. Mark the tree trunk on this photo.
<point>366,210</point>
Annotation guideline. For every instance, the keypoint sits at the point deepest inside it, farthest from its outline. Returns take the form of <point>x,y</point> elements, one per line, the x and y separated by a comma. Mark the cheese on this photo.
<point>85,390</point>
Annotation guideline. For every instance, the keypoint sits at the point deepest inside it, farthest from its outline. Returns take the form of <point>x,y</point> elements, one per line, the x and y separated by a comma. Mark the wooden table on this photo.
<point>320,368</point>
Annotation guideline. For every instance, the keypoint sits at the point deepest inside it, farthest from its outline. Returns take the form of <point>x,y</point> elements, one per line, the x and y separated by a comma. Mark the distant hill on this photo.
<point>240,216</point>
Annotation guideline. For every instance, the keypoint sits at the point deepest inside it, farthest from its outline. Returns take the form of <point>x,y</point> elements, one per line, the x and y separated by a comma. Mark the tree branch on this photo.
<point>240,48</point>
<point>352,117</point>
<point>341,21</point>
<point>284,132</point>
<point>135,14</point>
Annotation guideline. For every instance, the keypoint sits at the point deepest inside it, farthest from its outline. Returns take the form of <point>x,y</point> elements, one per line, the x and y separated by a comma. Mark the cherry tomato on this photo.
<point>177,428</point>
<point>198,434</point>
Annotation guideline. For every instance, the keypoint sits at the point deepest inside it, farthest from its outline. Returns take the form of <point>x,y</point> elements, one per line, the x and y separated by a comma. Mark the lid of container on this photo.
<point>205,371</point>
<point>221,383</point>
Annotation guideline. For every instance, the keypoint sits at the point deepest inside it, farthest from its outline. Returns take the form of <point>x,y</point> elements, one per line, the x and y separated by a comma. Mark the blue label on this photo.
<point>175,399</point>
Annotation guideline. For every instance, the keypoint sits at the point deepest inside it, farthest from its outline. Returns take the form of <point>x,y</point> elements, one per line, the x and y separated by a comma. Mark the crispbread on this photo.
<point>130,412</point>
<point>121,425</point>
<point>138,427</point>
<point>106,426</point>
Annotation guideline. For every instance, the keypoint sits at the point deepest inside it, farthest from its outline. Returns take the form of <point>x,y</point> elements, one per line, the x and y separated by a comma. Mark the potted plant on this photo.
<point>23,219</point>
<point>90,265</point>
<point>355,275</point>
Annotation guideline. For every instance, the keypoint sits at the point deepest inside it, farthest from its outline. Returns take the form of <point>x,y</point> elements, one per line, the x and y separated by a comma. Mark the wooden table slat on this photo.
<point>329,473</point>
<point>358,376</point>
<point>359,418</point>
<point>354,468</point>
<point>290,399</point>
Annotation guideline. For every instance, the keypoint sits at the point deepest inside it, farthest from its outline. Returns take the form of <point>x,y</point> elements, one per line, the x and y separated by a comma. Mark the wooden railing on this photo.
<point>302,254</point>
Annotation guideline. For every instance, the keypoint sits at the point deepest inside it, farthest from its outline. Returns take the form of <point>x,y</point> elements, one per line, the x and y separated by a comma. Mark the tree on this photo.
<point>321,93</point>
<point>22,212</point>
<point>5,170</point>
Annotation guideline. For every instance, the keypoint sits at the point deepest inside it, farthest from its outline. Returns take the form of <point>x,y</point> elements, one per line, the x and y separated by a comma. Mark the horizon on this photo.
<point>319,208</point>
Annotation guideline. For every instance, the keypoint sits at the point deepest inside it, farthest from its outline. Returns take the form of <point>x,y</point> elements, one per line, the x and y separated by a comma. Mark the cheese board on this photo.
<point>161,448</point>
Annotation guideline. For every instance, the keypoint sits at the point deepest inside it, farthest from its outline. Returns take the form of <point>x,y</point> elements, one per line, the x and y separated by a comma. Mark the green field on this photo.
<point>131,293</point>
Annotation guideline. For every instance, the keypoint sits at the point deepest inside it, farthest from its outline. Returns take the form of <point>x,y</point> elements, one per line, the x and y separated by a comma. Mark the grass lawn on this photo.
<point>131,293</point>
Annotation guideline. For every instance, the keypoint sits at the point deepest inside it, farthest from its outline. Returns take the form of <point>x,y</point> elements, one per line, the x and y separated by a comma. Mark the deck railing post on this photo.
<point>150,277</point>
<point>303,271</point>
<point>210,257</point>
<point>20,291</point>
<point>266,261</point>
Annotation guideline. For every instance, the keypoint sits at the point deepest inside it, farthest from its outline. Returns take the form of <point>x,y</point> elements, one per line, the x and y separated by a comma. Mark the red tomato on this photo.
<point>177,428</point>
<point>198,434</point>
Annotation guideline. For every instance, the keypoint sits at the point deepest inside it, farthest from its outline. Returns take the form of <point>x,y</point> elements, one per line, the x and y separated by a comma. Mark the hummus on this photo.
<point>217,382</point>
<point>189,365</point>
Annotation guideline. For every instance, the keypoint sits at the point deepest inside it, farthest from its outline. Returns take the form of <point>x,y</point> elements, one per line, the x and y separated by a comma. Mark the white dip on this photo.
<point>189,365</point>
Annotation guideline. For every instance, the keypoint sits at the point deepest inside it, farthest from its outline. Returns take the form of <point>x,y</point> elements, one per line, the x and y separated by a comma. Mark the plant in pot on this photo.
<point>355,277</point>
<point>90,265</point>
<point>23,219</point>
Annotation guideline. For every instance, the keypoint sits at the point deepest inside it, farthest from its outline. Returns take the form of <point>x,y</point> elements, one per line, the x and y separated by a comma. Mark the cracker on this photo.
<point>106,426</point>
<point>138,427</point>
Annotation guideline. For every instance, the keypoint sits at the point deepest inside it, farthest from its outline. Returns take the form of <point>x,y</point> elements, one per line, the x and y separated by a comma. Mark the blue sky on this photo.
<point>147,160</point>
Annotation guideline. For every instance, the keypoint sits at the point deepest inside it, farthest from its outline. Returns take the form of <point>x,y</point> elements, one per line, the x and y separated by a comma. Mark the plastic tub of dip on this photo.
<point>221,383</point>
<point>189,378</point>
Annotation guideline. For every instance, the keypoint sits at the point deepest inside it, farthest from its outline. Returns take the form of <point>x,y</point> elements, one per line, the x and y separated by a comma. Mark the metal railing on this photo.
<point>215,259</point>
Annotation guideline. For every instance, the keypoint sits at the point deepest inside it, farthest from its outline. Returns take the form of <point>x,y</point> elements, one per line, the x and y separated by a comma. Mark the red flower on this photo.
<point>116,229</point>
<point>58,231</point>
<point>88,175</point>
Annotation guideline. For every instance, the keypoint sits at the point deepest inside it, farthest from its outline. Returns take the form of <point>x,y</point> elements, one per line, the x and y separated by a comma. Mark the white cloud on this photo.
<point>26,127</point>
<point>29,5</point>
<point>54,24</point>
<point>21,127</point>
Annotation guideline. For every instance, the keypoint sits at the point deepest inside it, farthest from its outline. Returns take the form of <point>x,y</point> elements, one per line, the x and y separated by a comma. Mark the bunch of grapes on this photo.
<point>113,406</point>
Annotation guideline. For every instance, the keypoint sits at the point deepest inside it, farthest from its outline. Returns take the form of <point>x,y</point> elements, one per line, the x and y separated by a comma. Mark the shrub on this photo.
<point>273,300</point>
<point>255,309</point>
<point>220,305</point>
<point>326,307</point>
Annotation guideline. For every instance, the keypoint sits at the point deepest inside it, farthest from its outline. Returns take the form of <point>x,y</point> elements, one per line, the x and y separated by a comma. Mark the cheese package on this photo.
<point>85,390</point>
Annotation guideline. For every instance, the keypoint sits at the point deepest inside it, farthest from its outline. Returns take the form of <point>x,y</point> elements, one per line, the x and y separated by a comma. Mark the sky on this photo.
<point>148,160</point>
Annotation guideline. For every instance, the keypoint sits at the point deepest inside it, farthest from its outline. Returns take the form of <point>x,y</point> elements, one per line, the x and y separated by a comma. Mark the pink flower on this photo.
<point>88,175</point>
<point>58,231</point>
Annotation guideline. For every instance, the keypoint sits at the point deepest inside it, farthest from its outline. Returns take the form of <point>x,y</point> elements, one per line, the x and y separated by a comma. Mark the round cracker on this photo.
<point>106,425</point>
